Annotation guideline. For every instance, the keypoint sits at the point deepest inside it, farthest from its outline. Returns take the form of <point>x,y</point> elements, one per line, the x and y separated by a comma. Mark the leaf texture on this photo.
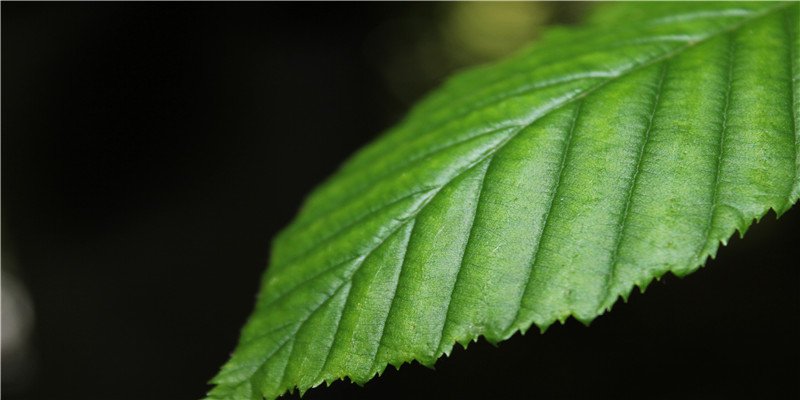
<point>544,186</point>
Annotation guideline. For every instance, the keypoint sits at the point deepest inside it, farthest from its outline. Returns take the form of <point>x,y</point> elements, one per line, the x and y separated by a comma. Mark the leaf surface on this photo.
<point>524,192</point>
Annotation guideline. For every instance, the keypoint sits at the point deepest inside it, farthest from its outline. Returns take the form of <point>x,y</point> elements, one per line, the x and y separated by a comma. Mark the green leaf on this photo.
<point>537,188</point>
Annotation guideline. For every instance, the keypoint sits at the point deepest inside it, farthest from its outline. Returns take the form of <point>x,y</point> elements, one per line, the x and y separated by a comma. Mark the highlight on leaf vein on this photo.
<point>540,187</point>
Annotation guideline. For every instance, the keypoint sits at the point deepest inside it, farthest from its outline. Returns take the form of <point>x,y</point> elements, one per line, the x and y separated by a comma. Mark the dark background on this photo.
<point>151,151</point>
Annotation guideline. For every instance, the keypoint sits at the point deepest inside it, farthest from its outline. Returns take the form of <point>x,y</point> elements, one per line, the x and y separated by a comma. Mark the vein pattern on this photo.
<point>542,187</point>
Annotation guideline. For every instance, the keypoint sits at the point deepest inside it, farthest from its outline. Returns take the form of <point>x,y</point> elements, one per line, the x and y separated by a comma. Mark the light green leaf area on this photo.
<point>541,187</point>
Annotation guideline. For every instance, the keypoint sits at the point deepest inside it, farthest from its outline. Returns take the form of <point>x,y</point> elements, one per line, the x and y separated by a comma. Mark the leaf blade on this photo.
<point>503,176</point>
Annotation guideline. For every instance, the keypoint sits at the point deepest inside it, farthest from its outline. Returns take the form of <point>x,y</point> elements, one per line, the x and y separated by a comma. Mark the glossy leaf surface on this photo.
<point>537,188</point>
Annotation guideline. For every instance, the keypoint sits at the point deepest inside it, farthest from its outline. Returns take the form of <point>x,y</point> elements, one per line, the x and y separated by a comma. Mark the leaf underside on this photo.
<point>541,187</point>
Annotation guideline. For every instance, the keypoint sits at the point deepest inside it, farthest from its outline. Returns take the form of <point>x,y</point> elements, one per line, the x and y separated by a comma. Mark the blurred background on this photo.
<point>151,151</point>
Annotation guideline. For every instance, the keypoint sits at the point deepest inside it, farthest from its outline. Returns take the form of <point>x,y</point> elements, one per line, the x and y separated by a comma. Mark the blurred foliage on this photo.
<point>415,51</point>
